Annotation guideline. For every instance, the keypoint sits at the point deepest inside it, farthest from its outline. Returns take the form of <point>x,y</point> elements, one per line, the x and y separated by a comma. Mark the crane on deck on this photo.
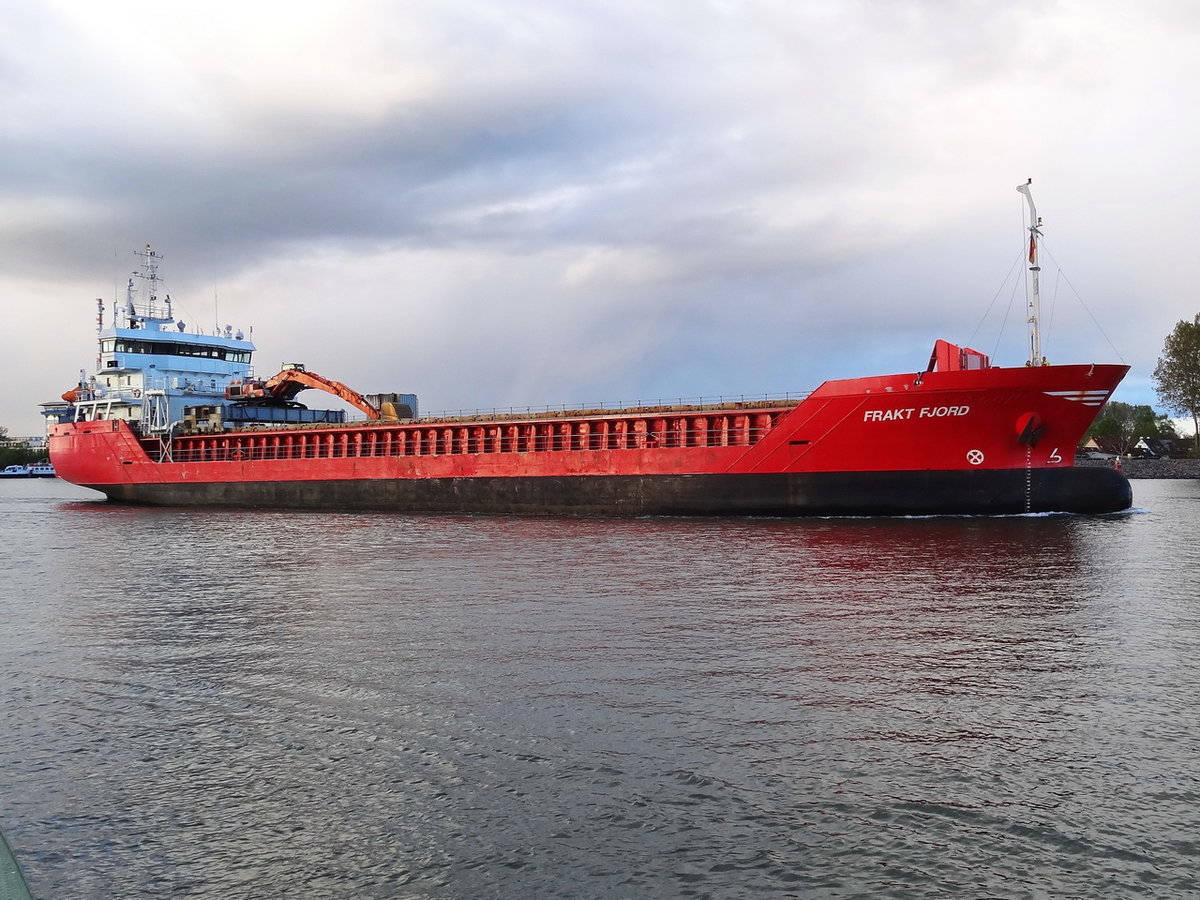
<point>281,389</point>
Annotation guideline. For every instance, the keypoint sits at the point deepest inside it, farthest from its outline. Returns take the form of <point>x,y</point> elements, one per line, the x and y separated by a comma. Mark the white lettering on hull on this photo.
<point>887,415</point>
<point>924,412</point>
<point>940,412</point>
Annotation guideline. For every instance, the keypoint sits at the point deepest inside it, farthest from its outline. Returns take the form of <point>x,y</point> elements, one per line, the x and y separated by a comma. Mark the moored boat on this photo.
<point>40,469</point>
<point>179,419</point>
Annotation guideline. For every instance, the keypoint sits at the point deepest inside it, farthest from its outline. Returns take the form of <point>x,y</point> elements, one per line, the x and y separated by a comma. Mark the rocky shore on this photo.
<point>1161,468</point>
<point>1153,468</point>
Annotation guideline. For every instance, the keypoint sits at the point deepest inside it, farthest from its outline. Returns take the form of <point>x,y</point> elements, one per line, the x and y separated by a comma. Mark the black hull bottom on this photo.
<point>977,492</point>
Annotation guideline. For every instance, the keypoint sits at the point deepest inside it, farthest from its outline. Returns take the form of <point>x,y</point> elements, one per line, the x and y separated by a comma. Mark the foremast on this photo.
<point>1035,313</point>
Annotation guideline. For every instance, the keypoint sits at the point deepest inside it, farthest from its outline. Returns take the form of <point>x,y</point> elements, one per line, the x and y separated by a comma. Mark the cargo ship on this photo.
<point>172,417</point>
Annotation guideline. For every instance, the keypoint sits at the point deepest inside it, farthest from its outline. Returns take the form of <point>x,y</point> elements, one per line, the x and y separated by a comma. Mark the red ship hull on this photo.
<point>959,441</point>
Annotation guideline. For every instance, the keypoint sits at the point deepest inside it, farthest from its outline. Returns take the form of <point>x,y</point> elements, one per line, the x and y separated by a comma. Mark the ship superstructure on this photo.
<point>149,367</point>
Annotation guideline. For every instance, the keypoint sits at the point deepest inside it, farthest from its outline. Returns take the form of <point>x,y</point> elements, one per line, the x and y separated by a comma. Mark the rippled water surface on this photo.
<point>250,704</point>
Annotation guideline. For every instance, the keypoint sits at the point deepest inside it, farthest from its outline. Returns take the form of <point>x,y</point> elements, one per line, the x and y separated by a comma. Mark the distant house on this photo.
<point>25,443</point>
<point>1102,448</point>
<point>1160,448</point>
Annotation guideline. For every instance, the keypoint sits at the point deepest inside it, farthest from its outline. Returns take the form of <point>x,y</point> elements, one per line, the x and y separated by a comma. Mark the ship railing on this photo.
<point>94,410</point>
<point>165,451</point>
<point>601,408</point>
<point>112,403</point>
<point>201,387</point>
<point>689,427</point>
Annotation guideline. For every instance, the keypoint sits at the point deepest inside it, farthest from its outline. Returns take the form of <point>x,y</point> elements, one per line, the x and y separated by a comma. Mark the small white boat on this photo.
<point>41,469</point>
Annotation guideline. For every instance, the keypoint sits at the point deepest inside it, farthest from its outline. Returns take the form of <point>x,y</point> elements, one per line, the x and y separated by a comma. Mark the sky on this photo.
<point>585,202</point>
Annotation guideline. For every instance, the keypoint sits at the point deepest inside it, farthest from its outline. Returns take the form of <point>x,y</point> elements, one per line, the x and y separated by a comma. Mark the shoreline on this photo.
<point>1152,468</point>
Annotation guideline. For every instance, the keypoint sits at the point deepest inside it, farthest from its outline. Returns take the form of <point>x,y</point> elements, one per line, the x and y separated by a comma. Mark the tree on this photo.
<point>15,455</point>
<point>1177,375</point>
<point>1125,424</point>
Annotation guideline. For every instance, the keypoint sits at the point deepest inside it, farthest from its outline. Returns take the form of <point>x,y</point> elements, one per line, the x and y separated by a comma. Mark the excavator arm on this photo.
<point>284,387</point>
<point>288,383</point>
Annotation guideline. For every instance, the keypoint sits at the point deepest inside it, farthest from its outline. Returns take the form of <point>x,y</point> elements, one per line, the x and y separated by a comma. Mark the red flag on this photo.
<point>1032,250</point>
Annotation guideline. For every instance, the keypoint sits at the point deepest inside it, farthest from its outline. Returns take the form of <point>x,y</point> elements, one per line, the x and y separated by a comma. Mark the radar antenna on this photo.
<point>148,273</point>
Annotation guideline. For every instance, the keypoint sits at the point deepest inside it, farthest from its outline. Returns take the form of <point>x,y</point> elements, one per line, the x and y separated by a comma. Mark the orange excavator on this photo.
<point>282,389</point>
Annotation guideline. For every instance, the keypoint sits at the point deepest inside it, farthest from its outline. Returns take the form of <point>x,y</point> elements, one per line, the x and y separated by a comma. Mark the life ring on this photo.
<point>136,393</point>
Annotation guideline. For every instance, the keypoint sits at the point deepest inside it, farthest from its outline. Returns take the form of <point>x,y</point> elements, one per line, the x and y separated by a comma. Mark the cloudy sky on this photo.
<point>542,202</point>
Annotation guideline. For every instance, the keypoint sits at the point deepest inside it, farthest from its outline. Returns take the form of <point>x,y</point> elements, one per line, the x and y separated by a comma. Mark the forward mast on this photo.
<point>1035,313</point>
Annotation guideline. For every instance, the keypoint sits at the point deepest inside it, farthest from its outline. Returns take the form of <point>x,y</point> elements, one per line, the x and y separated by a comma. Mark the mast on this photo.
<point>147,272</point>
<point>1035,306</point>
<point>99,329</point>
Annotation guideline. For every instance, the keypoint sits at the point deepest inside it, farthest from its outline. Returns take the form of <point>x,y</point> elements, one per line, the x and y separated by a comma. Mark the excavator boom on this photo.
<point>284,387</point>
<point>288,383</point>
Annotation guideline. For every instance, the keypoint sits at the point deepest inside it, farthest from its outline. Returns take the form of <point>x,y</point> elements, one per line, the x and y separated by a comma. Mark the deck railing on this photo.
<point>648,428</point>
<point>600,408</point>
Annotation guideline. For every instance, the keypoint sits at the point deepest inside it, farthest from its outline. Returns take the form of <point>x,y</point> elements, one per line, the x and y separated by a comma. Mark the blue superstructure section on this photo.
<point>149,367</point>
<point>171,352</point>
<point>158,376</point>
<point>189,369</point>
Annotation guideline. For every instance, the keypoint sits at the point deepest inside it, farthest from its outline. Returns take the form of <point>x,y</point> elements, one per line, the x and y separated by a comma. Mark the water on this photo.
<point>249,704</point>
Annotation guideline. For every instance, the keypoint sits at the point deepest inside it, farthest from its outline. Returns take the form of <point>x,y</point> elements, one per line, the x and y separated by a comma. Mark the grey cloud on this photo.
<point>800,169</point>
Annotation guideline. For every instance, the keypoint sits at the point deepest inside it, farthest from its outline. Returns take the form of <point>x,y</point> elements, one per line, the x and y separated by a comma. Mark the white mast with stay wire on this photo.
<point>1035,312</point>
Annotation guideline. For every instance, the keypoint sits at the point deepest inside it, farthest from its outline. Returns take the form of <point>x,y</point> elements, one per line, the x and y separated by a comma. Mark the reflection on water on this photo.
<point>251,704</point>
